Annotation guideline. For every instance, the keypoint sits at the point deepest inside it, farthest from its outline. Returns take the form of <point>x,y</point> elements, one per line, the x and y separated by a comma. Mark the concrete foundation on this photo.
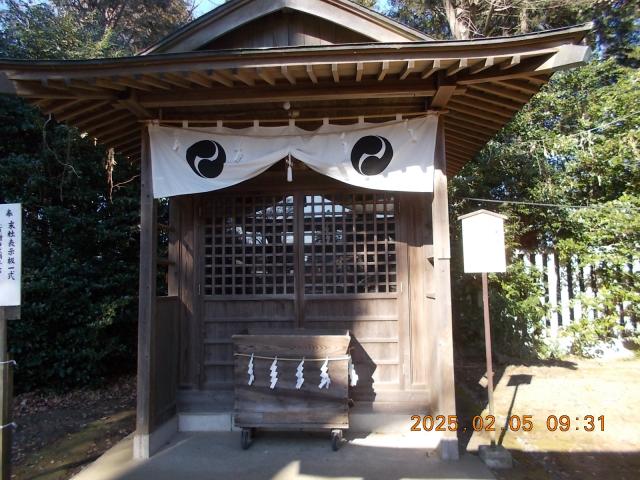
<point>495,456</point>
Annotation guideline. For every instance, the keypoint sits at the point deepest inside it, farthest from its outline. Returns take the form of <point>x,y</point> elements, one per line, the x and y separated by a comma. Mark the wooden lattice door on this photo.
<point>325,261</point>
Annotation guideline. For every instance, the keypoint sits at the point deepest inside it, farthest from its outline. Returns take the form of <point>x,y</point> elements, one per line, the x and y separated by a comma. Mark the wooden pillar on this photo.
<point>443,381</point>
<point>147,303</point>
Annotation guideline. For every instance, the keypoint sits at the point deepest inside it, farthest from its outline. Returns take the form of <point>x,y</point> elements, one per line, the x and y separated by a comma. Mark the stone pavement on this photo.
<point>277,456</point>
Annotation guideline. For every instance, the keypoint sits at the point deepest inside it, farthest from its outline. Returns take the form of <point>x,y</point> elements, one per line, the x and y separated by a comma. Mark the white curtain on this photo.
<point>396,156</point>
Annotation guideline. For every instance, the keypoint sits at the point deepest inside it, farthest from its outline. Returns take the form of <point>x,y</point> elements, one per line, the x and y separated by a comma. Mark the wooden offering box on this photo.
<point>285,407</point>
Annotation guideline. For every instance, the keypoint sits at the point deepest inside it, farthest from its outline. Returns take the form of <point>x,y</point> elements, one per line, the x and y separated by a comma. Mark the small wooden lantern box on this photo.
<point>285,407</point>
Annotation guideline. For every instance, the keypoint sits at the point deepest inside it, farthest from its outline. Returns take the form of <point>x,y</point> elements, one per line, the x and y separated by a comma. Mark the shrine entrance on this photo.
<point>323,258</point>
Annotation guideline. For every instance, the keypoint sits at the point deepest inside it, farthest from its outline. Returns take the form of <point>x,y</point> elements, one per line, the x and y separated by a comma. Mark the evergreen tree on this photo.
<point>81,205</point>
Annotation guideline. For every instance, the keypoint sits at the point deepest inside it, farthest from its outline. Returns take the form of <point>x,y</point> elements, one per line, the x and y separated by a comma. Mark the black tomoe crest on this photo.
<point>206,158</point>
<point>371,155</point>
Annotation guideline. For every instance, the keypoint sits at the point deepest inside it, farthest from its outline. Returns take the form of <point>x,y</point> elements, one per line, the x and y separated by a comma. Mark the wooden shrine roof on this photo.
<point>233,14</point>
<point>481,83</point>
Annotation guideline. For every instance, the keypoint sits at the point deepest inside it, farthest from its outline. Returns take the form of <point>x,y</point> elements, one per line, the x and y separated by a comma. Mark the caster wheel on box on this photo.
<point>246,438</point>
<point>336,439</point>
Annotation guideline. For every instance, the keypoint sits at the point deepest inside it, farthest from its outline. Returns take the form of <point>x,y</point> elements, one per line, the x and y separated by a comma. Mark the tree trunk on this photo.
<point>457,18</point>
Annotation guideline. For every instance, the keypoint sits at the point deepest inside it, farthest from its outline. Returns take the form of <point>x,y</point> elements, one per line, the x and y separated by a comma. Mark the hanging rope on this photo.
<point>281,359</point>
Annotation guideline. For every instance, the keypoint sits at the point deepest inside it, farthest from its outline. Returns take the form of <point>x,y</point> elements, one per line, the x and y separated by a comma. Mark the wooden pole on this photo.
<point>147,303</point>
<point>6,396</point>
<point>444,376</point>
<point>487,346</point>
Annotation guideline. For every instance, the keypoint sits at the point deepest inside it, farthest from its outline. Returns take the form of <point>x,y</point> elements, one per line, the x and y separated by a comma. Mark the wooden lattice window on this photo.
<point>349,244</point>
<point>249,246</point>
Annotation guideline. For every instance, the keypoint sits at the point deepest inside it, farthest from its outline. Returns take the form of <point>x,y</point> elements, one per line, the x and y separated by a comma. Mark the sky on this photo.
<point>203,6</point>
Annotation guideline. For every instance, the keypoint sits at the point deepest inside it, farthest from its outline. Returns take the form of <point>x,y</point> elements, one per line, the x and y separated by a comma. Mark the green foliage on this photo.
<point>80,246</point>
<point>73,29</point>
<point>367,3</point>
<point>587,335</point>
<point>515,307</point>
<point>576,143</point>
<point>79,252</point>
<point>40,31</point>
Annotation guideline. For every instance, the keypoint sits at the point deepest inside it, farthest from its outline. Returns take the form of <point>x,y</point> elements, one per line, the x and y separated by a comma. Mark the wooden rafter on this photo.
<point>287,74</point>
<point>265,75</point>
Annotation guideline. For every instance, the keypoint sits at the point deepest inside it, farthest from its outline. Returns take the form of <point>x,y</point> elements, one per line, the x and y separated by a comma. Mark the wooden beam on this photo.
<point>464,142</point>
<point>76,113</point>
<point>219,78</point>
<point>147,303</point>
<point>501,92</point>
<point>267,77</point>
<point>459,158</point>
<point>521,86</point>
<point>442,316</point>
<point>566,56</point>
<point>198,78</point>
<point>243,76</point>
<point>287,74</point>
<point>483,116</point>
<point>466,134</point>
<point>104,83</point>
<point>64,106</point>
<point>29,90</point>
<point>482,65</point>
<point>175,79</point>
<point>510,63</point>
<point>432,68</point>
<point>502,103</point>
<point>384,69</point>
<point>133,105</point>
<point>442,96</point>
<point>408,69</point>
<point>152,81</point>
<point>113,116</point>
<point>83,85</point>
<point>457,66</point>
<point>444,92</point>
<point>129,82</point>
<point>335,73</point>
<point>304,93</point>
<point>472,124</point>
<point>538,81</point>
<point>483,106</point>
<point>464,148</point>
<point>311,74</point>
<point>359,71</point>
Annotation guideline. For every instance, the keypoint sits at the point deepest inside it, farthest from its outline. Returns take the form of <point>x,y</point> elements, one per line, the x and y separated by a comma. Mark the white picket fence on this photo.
<point>565,283</point>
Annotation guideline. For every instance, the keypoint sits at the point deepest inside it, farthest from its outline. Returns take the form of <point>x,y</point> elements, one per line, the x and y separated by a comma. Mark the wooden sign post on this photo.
<point>484,251</point>
<point>10,297</point>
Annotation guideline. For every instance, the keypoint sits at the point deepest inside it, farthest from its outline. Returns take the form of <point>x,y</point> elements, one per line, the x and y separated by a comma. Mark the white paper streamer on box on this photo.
<point>274,373</point>
<point>325,381</point>
<point>250,371</point>
<point>352,374</point>
<point>300,374</point>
